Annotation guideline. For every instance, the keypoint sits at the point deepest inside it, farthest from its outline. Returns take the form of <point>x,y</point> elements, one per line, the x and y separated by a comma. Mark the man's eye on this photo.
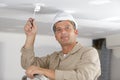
<point>67,28</point>
<point>58,29</point>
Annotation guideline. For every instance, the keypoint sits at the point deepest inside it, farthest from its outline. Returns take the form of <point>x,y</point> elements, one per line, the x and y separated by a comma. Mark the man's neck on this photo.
<point>67,48</point>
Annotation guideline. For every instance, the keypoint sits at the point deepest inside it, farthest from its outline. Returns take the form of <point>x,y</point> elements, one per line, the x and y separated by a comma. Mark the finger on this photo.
<point>30,71</point>
<point>31,21</point>
<point>29,74</point>
<point>28,25</point>
<point>34,24</point>
<point>27,28</point>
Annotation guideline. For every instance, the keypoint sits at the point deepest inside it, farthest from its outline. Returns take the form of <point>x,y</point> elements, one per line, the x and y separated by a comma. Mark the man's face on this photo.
<point>65,32</point>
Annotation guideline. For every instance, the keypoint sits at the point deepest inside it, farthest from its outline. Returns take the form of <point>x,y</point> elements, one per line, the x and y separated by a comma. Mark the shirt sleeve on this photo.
<point>28,58</point>
<point>87,69</point>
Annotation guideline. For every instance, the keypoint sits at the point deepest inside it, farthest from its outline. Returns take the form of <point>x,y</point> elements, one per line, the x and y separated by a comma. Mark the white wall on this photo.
<point>113,42</point>
<point>10,56</point>
<point>10,45</point>
<point>115,64</point>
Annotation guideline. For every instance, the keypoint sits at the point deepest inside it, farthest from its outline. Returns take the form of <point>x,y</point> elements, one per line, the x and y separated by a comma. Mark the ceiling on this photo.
<point>95,18</point>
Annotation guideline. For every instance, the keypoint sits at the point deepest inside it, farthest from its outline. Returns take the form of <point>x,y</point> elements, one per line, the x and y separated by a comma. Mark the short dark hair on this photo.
<point>74,26</point>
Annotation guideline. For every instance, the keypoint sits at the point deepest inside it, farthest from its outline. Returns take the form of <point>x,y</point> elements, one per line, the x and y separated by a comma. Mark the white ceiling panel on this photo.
<point>96,18</point>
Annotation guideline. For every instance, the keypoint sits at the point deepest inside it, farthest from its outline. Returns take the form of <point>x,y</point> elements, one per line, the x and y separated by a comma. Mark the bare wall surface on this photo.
<point>115,64</point>
<point>1,61</point>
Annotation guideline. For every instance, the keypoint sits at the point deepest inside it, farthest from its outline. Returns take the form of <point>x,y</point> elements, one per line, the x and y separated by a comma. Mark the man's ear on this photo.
<point>76,32</point>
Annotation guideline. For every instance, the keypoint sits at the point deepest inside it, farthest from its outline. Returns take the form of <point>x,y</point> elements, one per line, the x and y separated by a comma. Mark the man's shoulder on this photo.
<point>88,48</point>
<point>55,53</point>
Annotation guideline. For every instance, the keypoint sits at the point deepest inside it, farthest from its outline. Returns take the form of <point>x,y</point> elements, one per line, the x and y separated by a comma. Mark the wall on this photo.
<point>10,45</point>
<point>10,56</point>
<point>115,64</point>
<point>113,42</point>
<point>1,62</point>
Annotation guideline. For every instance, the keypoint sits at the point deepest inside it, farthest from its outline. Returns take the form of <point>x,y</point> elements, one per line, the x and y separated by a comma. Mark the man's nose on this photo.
<point>63,31</point>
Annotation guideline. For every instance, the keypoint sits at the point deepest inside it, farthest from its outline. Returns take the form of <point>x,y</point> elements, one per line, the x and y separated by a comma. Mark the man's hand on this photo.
<point>30,28</point>
<point>32,70</point>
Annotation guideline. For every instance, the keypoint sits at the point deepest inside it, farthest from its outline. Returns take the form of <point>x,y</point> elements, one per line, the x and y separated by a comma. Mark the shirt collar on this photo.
<point>75,49</point>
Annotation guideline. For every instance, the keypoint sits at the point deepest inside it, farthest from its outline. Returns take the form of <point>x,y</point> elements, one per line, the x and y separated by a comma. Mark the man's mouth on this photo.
<point>64,38</point>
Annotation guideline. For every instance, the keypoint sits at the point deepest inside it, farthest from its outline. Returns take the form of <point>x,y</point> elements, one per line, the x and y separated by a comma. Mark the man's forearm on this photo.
<point>29,41</point>
<point>49,73</point>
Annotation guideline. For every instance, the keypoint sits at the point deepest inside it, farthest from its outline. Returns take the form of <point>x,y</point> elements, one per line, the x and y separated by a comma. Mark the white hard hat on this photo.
<point>63,16</point>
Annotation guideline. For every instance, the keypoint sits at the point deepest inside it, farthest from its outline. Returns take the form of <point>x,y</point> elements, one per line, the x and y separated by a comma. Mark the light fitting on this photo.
<point>37,8</point>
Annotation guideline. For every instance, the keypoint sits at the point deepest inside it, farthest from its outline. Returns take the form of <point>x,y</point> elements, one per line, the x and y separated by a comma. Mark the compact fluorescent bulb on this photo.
<point>37,8</point>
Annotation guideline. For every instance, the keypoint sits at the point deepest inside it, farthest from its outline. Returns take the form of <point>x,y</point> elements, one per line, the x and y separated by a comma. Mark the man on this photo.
<point>73,62</point>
